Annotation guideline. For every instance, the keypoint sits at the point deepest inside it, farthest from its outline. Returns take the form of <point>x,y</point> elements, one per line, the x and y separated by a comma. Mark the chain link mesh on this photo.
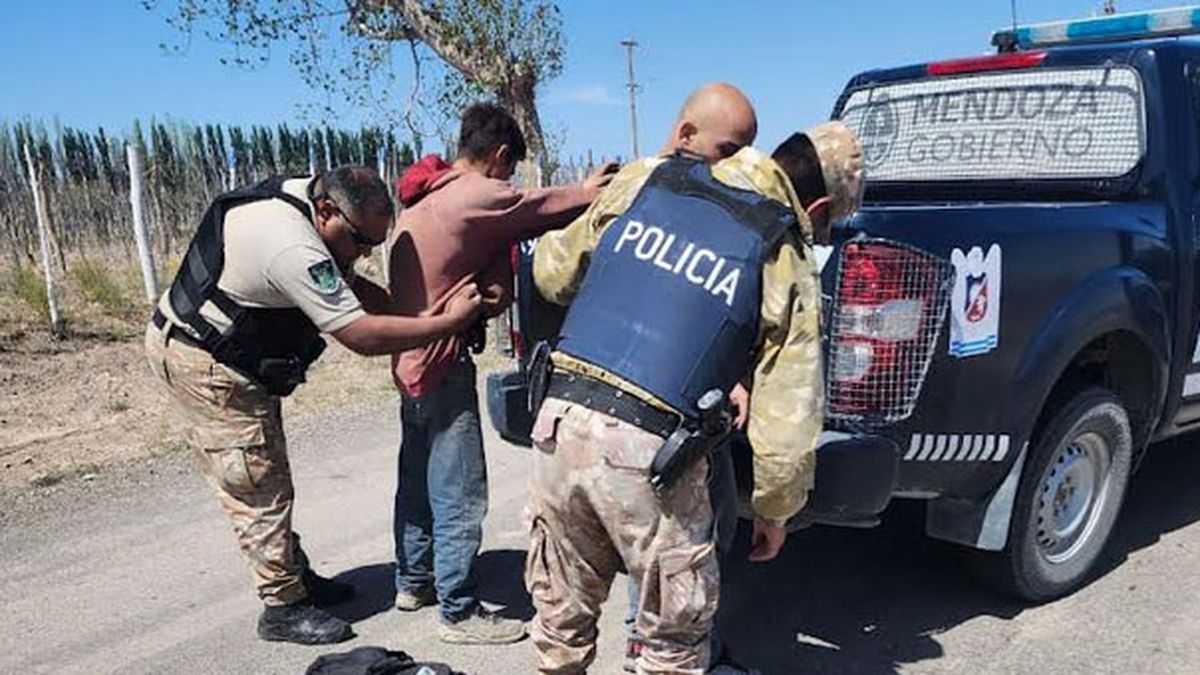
<point>873,377</point>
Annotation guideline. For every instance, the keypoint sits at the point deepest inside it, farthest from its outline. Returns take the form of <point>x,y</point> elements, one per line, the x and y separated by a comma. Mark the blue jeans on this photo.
<point>441,495</point>
<point>722,493</point>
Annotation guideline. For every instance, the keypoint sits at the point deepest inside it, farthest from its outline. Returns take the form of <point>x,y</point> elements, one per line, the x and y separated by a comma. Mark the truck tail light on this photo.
<point>889,307</point>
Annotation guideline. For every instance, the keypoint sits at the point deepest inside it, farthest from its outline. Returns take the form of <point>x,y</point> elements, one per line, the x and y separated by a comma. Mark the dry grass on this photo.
<point>100,285</point>
<point>100,297</point>
<point>28,287</point>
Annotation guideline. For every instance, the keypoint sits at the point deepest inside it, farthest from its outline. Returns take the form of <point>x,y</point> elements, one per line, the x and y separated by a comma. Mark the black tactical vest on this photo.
<point>269,345</point>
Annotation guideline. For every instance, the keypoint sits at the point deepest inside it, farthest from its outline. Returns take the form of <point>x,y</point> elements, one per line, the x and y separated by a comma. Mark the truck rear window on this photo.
<point>1079,123</point>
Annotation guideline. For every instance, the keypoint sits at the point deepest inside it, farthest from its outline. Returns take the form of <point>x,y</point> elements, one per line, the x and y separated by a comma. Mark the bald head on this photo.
<point>716,121</point>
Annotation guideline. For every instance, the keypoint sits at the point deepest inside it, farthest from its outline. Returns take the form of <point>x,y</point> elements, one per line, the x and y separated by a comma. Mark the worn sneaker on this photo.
<point>303,624</point>
<point>633,649</point>
<point>326,592</point>
<point>482,628</point>
<point>411,601</point>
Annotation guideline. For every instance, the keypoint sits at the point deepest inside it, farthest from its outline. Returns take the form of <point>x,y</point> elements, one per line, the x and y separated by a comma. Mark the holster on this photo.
<point>694,439</point>
<point>476,337</point>
<point>281,376</point>
<point>540,369</point>
<point>681,450</point>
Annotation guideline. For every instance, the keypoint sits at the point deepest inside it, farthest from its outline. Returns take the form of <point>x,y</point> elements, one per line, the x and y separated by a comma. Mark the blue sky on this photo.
<point>90,63</point>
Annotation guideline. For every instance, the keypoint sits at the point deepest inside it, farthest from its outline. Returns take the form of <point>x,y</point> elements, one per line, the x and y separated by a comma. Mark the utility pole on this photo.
<point>629,44</point>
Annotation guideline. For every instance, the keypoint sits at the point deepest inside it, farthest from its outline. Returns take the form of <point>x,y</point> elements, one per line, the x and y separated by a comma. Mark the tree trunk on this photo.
<point>512,84</point>
<point>520,100</point>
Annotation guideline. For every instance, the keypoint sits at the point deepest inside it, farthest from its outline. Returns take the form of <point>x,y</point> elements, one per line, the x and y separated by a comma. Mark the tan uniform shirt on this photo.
<point>274,258</point>
<point>787,404</point>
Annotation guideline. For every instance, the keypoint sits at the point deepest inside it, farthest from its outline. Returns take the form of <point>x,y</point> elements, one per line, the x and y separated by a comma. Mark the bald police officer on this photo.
<point>682,278</point>
<point>714,122</point>
<point>271,268</point>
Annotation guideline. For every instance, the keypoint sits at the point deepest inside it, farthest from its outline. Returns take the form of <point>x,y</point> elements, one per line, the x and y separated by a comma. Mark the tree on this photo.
<point>502,48</point>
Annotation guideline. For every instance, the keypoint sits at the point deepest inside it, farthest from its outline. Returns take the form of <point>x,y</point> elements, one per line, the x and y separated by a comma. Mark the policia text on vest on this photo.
<point>675,255</point>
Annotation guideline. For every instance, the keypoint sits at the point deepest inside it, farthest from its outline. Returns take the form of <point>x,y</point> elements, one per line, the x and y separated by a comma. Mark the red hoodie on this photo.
<point>458,225</point>
<point>419,178</point>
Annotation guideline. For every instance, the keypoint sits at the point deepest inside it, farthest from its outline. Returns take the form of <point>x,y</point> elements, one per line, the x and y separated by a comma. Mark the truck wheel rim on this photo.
<point>1072,495</point>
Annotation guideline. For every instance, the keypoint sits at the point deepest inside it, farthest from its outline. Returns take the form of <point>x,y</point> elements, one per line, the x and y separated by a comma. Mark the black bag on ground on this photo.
<point>374,661</point>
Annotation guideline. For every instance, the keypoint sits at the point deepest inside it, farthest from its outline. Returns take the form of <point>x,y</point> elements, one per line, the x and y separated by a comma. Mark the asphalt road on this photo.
<point>135,572</point>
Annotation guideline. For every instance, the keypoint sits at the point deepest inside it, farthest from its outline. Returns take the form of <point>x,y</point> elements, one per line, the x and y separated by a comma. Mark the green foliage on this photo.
<point>97,285</point>
<point>29,287</point>
<point>406,157</point>
<point>348,51</point>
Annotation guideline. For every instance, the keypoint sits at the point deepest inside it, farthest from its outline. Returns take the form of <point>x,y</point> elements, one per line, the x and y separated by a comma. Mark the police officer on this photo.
<point>682,278</point>
<point>714,122</point>
<point>271,268</point>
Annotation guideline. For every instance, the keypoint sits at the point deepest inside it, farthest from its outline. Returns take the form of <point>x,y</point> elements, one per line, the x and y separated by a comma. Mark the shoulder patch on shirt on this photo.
<point>325,275</point>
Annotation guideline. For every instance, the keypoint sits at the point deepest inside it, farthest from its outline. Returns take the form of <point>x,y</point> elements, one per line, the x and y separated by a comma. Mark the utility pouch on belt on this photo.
<point>540,369</point>
<point>692,440</point>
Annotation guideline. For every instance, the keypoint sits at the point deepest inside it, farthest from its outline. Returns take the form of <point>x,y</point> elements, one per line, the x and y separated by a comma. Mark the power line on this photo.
<point>629,45</point>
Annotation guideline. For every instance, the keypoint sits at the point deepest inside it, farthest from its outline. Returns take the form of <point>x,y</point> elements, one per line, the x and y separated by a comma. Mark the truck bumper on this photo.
<point>508,406</point>
<point>856,476</point>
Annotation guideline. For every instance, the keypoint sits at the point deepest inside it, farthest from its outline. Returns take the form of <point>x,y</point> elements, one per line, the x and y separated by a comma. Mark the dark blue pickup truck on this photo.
<point>1011,319</point>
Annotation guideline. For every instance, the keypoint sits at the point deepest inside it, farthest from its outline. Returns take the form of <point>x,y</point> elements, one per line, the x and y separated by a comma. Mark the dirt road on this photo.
<point>133,571</point>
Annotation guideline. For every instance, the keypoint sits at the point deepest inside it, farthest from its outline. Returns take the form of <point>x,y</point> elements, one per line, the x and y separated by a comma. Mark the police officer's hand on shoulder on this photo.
<point>601,176</point>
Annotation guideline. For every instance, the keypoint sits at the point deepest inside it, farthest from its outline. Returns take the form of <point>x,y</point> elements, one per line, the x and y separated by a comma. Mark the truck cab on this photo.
<point>1010,320</point>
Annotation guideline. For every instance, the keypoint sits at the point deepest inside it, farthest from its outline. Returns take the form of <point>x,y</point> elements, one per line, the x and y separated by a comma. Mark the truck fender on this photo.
<point>1120,299</point>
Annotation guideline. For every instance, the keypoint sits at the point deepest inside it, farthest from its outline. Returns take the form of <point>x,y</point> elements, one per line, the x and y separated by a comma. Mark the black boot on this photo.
<point>326,592</point>
<point>302,623</point>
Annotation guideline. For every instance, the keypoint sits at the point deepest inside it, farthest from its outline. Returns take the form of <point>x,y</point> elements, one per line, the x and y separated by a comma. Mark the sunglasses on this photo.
<point>355,233</point>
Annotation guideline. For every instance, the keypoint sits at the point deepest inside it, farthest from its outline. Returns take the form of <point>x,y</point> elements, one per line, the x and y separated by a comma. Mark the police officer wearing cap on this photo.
<point>682,279</point>
<point>269,270</point>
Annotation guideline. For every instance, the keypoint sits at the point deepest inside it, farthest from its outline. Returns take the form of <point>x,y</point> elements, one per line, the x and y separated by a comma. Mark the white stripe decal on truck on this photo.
<point>958,448</point>
<point>1191,384</point>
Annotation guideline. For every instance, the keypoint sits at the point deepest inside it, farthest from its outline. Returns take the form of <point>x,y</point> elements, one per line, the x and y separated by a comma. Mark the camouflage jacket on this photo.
<point>788,392</point>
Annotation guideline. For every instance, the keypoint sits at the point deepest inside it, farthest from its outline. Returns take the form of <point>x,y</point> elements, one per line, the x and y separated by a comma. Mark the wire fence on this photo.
<point>85,187</point>
<point>86,177</point>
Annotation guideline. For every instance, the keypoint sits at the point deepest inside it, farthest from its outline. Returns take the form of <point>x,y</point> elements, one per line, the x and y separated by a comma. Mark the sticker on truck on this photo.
<point>975,302</point>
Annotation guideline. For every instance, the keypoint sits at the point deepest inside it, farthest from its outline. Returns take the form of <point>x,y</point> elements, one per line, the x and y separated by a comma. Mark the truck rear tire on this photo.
<point>1070,493</point>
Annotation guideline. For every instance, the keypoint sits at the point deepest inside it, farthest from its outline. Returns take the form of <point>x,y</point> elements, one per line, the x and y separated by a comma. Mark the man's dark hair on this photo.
<point>799,160</point>
<point>357,189</point>
<point>487,126</point>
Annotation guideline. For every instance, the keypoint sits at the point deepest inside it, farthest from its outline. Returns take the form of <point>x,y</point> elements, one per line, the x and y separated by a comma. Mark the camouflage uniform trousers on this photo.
<point>592,511</point>
<point>236,434</point>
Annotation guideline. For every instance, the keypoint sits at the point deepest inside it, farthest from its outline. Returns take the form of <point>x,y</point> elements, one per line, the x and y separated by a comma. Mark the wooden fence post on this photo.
<point>43,221</point>
<point>141,235</point>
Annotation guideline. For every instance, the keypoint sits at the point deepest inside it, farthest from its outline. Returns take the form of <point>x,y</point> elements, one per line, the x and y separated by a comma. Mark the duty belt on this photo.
<point>173,331</point>
<point>605,398</point>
